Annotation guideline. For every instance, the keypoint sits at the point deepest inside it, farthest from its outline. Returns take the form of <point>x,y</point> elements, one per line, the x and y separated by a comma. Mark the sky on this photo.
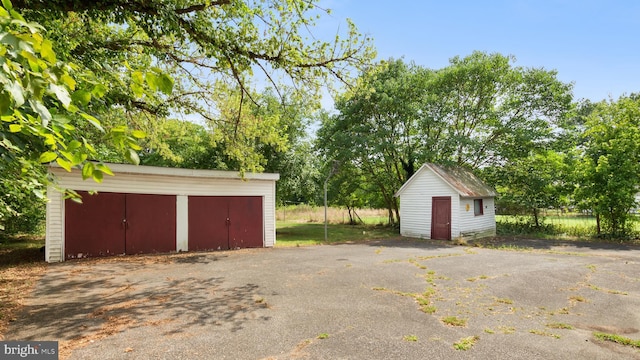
<point>593,44</point>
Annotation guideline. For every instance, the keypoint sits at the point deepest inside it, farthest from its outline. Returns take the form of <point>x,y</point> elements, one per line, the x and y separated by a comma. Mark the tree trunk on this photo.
<point>598,224</point>
<point>397,211</point>
<point>535,217</point>
<point>351,221</point>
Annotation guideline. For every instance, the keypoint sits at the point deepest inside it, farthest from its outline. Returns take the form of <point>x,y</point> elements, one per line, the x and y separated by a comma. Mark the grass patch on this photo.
<point>560,326</point>
<point>609,291</point>
<point>423,300</point>
<point>323,336</point>
<point>410,338</point>
<point>300,234</point>
<point>504,301</point>
<point>21,264</point>
<point>544,333</point>
<point>617,339</point>
<point>507,329</point>
<point>577,298</point>
<point>454,321</point>
<point>466,343</point>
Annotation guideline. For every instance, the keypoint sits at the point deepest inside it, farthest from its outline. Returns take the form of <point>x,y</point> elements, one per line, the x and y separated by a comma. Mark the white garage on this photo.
<point>146,209</point>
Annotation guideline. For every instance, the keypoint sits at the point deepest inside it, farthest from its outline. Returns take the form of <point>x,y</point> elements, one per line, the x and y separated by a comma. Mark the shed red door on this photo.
<point>441,218</point>
<point>225,222</point>
<point>95,227</point>
<point>150,223</point>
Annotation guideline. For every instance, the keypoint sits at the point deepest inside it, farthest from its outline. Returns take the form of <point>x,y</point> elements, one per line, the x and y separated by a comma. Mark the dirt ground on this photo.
<point>409,299</point>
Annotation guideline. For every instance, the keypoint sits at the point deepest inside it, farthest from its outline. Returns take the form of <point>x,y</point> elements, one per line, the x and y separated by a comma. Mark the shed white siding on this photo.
<point>416,197</point>
<point>415,205</point>
<point>473,225</point>
<point>162,181</point>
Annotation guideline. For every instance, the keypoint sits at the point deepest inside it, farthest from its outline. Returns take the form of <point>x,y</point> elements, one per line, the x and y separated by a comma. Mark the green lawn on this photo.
<point>299,234</point>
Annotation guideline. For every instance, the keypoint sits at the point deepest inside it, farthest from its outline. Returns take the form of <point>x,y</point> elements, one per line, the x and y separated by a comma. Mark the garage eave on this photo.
<point>165,171</point>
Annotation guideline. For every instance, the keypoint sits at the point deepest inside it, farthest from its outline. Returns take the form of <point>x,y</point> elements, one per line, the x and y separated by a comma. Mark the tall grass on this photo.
<point>315,214</point>
<point>575,226</point>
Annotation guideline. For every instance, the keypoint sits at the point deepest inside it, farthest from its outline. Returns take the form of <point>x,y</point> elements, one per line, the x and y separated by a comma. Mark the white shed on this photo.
<point>146,209</point>
<point>446,203</point>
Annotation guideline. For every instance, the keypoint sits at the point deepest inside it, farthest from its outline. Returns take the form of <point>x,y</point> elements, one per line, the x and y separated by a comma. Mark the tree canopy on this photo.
<point>608,163</point>
<point>479,111</point>
<point>163,58</point>
<point>87,80</point>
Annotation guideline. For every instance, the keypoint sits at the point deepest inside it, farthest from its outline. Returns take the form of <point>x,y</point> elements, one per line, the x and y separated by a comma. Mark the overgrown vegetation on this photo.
<point>569,226</point>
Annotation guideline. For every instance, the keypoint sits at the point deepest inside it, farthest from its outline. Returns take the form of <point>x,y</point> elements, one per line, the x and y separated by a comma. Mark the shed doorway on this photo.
<point>107,224</point>
<point>441,218</point>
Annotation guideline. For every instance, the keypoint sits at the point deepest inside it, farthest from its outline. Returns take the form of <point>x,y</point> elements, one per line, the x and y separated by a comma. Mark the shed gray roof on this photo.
<point>463,181</point>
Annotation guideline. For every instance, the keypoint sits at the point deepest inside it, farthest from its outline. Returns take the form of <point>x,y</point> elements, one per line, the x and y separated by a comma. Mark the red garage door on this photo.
<point>151,223</point>
<point>112,223</point>
<point>225,222</point>
<point>94,228</point>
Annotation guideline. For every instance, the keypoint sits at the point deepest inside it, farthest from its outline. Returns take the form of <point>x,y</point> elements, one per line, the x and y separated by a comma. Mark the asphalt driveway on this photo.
<point>395,299</point>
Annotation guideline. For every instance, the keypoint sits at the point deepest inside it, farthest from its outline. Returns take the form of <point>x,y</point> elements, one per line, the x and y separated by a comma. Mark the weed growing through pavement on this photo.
<point>423,300</point>
<point>504,301</point>
<point>323,336</point>
<point>577,298</point>
<point>617,339</point>
<point>410,338</point>
<point>466,343</point>
<point>560,326</point>
<point>544,333</point>
<point>609,291</point>
<point>507,329</point>
<point>454,321</point>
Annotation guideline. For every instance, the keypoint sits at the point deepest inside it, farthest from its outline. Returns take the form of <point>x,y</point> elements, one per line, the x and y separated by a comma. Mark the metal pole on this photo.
<point>333,170</point>
<point>325,208</point>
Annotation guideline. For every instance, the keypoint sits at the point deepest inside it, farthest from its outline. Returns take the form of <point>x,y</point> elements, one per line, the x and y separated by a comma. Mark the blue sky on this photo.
<point>594,44</point>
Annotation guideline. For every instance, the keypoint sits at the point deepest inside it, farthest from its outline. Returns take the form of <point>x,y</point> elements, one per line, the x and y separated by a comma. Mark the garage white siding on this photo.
<point>161,181</point>
<point>55,219</point>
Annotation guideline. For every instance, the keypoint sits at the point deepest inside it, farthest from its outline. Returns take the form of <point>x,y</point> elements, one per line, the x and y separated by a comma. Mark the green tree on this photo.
<point>133,64</point>
<point>478,112</point>
<point>40,111</point>
<point>377,129</point>
<point>494,110</point>
<point>528,184</point>
<point>608,168</point>
<point>192,49</point>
